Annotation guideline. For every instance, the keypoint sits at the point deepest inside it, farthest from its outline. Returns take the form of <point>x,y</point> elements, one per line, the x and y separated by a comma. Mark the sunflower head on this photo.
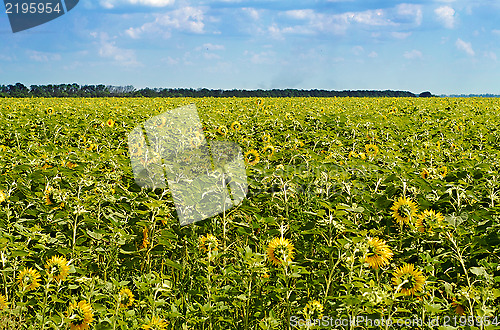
<point>252,157</point>
<point>268,151</point>
<point>3,196</point>
<point>155,324</point>
<point>145,238</point>
<point>404,209</point>
<point>28,279</point>
<point>313,310</point>
<point>209,243</point>
<point>80,315</point>
<point>353,154</point>
<point>266,138</point>
<point>50,111</point>
<point>235,126</point>
<point>379,254</point>
<point>222,130</point>
<point>280,251</point>
<point>371,150</point>
<point>125,298</point>
<point>57,268</point>
<point>408,280</point>
<point>429,220</point>
<point>110,122</point>
<point>442,171</point>
<point>424,174</point>
<point>3,302</point>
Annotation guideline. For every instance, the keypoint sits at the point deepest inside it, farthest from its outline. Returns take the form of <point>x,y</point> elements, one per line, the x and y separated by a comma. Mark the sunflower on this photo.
<point>280,250</point>
<point>352,154</point>
<point>50,111</point>
<point>145,238</point>
<point>459,308</point>
<point>125,298</point>
<point>408,279</point>
<point>110,122</point>
<point>155,324</point>
<point>3,196</point>
<point>235,126</point>
<point>222,130</point>
<point>57,268</point>
<point>266,138</point>
<point>3,148</point>
<point>428,220</point>
<point>371,150</point>
<point>80,315</point>
<point>403,210</point>
<point>378,254</point>
<point>3,302</point>
<point>28,279</point>
<point>362,155</point>
<point>48,196</point>
<point>313,310</point>
<point>442,171</point>
<point>424,174</point>
<point>268,150</point>
<point>209,243</point>
<point>252,157</point>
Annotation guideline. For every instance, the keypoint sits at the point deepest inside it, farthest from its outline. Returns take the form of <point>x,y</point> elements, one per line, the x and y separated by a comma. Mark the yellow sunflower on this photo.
<point>424,174</point>
<point>378,254</point>
<point>252,157</point>
<point>371,150</point>
<point>110,123</point>
<point>268,150</point>
<point>155,324</point>
<point>404,209</point>
<point>266,138</point>
<point>362,155</point>
<point>58,268</point>
<point>3,196</point>
<point>208,243</point>
<point>126,298</point>
<point>313,310</point>
<point>408,279</point>
<point>145,238</point>
<point>222,130</point>
<point>50,111</point>
<point>235,126</point>
<point>280,250</point>
<point>3,148</point>
<point>442,171</point>
<point>428,220</point>
<point>352,154</point>
<point>80,315</point>
<point>28,279</point>
<point>3,302</point>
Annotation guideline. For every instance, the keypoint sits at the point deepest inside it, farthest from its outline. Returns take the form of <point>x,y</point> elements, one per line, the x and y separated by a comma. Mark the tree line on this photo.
<point>75,90</point>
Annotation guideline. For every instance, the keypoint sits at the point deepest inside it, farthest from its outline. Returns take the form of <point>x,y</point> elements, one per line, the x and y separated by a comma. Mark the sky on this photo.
<point>442,46</point>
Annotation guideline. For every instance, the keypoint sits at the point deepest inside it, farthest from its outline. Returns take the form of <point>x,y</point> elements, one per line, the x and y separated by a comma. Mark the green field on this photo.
<point>367,209</point>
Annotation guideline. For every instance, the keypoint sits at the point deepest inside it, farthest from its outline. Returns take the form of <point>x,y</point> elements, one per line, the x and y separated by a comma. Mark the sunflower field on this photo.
<point>361,213</point>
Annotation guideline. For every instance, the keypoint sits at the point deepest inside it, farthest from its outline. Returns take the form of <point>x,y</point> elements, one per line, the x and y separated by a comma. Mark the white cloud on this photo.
<point>401,35</point>
<point>464,46</point>
<point>184,19</point>
<point>252,12</point>
<point>301,14</point>
<point>210,47</point>
<point>373,54</point>
<point>108,49</point>
<point>413,54</point>
<point>43,56</point>
<point>412,11</point>
<point>357,50</point>
<point>266,57</point>
<point>490,55</point>
<point>109,4</point>
<point>446,15</point>
<point>497,32</point>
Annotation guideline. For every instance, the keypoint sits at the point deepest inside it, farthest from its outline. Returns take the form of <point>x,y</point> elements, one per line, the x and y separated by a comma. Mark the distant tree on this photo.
<point>425,94</point>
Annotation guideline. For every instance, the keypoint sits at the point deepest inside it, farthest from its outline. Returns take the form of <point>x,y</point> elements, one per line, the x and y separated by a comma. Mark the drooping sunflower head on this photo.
<point>379,254</point>
<point>110,122</point>
<point>313,310</point>
<point>80,315</point>
<point>125,298</point>
<point>28,279</point>
<point>280,251</point>
<point>3,302</point>
<point>371,150</point>
<point>222,130</point>
<point>235,126</point>
<point>408,280</point>
<point>404,209</point>
<point>252,157</point>
<point>155,324</point>
<point>209,243</point>
<point>268,151</point>
<point>145,238</point>
<point>429,220</point>
<point>57,268</point>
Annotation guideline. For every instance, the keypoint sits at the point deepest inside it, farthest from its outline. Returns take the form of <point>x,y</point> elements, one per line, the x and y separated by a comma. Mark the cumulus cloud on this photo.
<point>121,56</point>
<point>464,46</point>
<point>210,47</point>
<point>110,4</point>
<point>446,15</point>
<point>252,12</point>
<point>401,35</point>
<point>413,54</point>
<point>409,11</point>
<point>188,19</point>
<point>43,56</point>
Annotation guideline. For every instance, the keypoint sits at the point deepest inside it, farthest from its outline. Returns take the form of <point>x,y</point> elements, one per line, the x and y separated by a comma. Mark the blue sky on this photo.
<point>443,46</point>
